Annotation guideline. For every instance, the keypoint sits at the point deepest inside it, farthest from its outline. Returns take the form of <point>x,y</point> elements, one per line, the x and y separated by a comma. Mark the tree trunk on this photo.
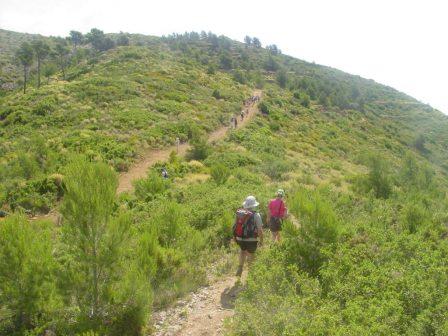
<point>63,68</point>
<point>95,291</point>
<point>24,79</point>
<point>95,302</point>
<point>38,72</point>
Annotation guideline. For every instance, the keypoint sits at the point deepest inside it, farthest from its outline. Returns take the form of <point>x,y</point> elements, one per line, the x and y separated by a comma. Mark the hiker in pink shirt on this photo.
<point>277,211</point>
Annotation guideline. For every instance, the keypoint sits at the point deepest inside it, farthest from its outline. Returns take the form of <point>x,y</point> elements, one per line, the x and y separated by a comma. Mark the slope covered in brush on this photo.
<point>110,104</point>
<point>364,168</point>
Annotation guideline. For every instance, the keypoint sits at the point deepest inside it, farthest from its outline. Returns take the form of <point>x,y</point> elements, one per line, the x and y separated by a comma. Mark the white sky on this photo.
<point>396,42</point>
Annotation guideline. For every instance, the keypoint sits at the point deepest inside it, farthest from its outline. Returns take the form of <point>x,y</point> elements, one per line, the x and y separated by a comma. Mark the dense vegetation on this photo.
<point>364,167</point>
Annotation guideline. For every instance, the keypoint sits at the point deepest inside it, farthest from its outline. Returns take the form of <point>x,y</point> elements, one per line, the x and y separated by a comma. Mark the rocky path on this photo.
<point>203,313</point>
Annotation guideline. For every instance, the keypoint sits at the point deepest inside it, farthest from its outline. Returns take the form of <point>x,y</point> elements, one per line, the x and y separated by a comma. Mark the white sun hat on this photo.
<point>250,202</point>
<point>280,192</point>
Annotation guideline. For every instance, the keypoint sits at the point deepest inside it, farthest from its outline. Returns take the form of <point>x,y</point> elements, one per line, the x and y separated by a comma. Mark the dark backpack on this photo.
<point>245,226</point>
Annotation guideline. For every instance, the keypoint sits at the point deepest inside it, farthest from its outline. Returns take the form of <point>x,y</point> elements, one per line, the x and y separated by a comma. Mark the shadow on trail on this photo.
<point>230,294</point>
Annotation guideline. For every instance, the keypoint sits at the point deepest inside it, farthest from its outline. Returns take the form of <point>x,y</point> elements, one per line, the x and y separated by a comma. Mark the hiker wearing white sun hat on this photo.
<point>247,231</point>
<point>250,202</point>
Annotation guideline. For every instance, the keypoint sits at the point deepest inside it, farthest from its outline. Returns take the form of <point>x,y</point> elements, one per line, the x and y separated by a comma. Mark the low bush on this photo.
<point>29,296</point>
<point>220,173</point>
<point>200,149</point>
<point>147,189</point>
<point>378,180</point>
<point>319,230</point>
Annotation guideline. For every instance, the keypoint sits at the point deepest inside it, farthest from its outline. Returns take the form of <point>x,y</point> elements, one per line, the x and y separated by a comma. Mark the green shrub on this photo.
<point>305,100</point>
<point>378,179</point>
<point>45,106</point>
<point>275,169</point>
<point>200,149</point>
<point>239,76</point>
<point>264,108</point>
<point>147,189</point>
<point>279,299</point>
<point>414,216</point>
<point>28,295</point>
<point>230,159</point>
<point>216,94</point>
<point>211,69</point>
<point>282,78</point>
<point>419,143</point>
<point>413,175</point>
<point>319,230</point>
<point>220,173</point>
<point>169,221</point>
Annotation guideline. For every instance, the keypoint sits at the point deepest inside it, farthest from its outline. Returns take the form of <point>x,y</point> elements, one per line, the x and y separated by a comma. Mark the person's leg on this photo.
<point>250,258</point>
<point>251,252</point>
<point>279,229</point>
<point>273,226</point>
<point>276,236</point>
<point>242,258</point>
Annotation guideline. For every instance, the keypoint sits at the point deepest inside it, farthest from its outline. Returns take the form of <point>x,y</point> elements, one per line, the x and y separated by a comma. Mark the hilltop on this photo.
<point>364,167</point>
<point>114,103</point>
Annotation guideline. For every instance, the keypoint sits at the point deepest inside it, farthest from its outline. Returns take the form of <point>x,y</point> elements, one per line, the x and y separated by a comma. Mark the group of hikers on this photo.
<point>248,226</point>
<point>244,112</point>
<point>251,100</point>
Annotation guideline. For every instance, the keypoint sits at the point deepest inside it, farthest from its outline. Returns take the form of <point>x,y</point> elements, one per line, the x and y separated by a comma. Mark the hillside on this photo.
<point>364,167</point>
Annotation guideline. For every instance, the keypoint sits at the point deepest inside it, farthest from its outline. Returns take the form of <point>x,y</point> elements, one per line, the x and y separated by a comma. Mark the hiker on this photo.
<point>242,115</point>
<point>164,173</point>
<point>235,120</point>
<point>246,111</point>
<point>277,211</point>
<point>177,145</point>
<point>247,231</point>
<point>232,122</point>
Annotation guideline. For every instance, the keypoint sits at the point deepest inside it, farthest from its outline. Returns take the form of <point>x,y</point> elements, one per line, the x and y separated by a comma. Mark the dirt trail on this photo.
<point>203,313</point>
<point>149,158</point>
<point>139,169</point>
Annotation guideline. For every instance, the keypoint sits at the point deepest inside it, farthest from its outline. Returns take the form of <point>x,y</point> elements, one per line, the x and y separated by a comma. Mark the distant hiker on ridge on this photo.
<point>247,231</point>
<point>164,173</point>
<point>277,211</point>
<point>232,122</point>
<point>177,145</point>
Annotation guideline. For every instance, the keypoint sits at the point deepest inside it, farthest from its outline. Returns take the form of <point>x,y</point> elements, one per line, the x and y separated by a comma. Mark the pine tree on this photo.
<point>41,50</point>
<point>76,38</point>
<point>25,56</point>
<point>61,53</point>
<point>92,236</point>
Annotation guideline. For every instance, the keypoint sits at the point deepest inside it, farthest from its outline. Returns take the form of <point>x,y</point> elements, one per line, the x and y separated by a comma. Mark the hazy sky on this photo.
<point>401,43</point>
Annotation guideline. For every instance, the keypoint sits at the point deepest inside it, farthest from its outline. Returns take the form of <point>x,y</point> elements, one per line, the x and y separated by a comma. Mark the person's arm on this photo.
<point>259,224</point>
<point>268,215</point>
<point>284,210</point>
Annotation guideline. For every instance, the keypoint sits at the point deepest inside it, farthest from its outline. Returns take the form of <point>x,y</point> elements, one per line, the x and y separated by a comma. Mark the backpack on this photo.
<point>245,226</point>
